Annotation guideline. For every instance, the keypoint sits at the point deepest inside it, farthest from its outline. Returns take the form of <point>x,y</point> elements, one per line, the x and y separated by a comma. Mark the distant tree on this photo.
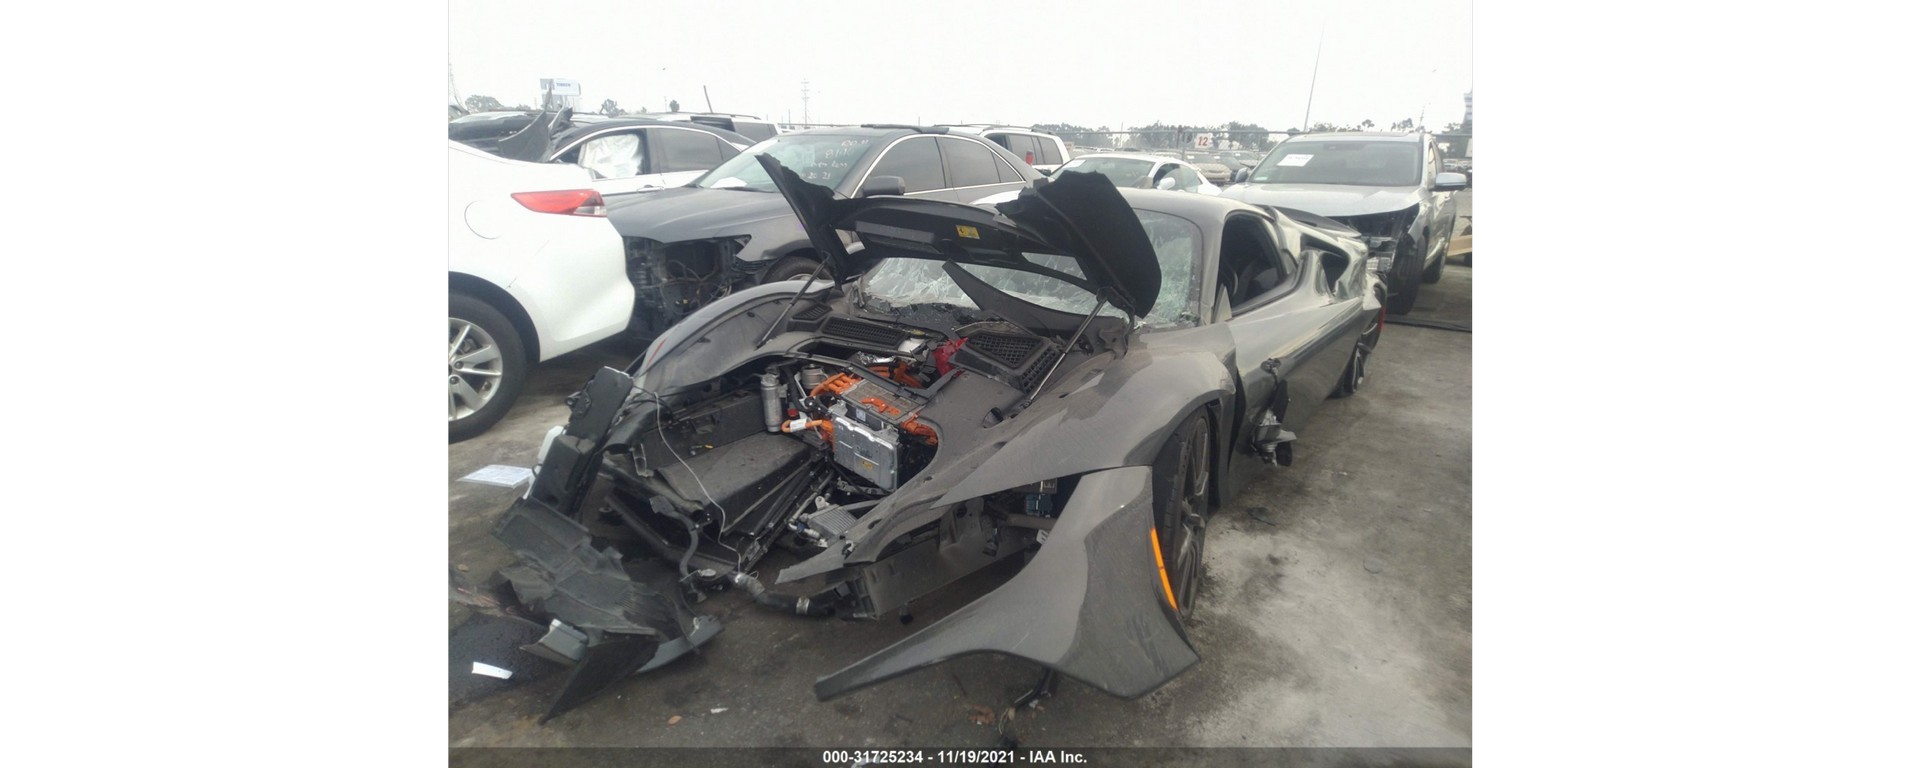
<point>1451,128</point>
<point>478,103</point>
<point>673,106</point>
<point>1162,136</point>
<point>610,108</point>
<point>523,107</point>
<point>1403,125</point>
<point>1078,135</point>
<point>1366,125</point>
<point>643,110</point>
<point>1249,135</point>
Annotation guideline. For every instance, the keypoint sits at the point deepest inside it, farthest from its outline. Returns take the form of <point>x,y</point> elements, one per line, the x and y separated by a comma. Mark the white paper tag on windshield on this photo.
<point>1295,159</point>
<point>500,475</point>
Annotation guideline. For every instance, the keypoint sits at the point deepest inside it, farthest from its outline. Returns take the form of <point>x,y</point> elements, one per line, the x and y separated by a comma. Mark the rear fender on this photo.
<point>1090,606</point>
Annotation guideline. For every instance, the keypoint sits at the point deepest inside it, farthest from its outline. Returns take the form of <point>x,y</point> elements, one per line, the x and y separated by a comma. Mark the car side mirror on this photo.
<point>1166,183</point>
<point>1449,180</point>
<point>1240,176</point>
<point>884,185</point>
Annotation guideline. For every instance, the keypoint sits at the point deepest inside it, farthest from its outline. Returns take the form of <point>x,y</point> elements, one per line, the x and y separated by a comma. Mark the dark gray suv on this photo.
<point>730,228</point>
<point>1389,186</point>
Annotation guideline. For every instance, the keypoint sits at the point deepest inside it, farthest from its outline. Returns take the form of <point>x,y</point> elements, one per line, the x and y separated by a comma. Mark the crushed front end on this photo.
<point>671,279</point>
<point>1389,237</point>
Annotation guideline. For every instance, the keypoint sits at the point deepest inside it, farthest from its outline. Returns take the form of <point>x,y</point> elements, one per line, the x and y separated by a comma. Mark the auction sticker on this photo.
<point>1295,159</point>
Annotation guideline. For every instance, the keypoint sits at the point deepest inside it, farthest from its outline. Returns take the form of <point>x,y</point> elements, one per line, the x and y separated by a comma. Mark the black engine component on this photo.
<point>862,332</point>
<point>1017,359</point>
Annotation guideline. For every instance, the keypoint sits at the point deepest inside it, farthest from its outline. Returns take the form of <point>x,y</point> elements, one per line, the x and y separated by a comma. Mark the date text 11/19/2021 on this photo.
<point>951,756</point>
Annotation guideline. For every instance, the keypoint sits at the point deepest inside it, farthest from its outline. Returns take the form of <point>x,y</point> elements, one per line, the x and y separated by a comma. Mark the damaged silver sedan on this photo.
<point>1076,379</point>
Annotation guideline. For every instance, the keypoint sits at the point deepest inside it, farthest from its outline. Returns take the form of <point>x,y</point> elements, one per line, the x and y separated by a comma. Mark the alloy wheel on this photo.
<point>1187,539</point>
<point>473,368</point>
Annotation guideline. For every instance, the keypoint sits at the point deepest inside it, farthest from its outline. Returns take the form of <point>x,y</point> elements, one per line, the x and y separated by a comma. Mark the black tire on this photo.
<point>1439,268</point>
<point>1356,373</point>
<point>1403,286</point>
<point>495,390</point>
<point>1181,507</point>
<point>1402,302</point>
<point>1466,259</point>
<point>792,268</point>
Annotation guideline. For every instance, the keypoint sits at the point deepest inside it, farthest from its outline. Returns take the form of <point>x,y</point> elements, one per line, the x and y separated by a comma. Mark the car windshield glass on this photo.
<point>1360,163</point>
<point>823,159</point>
<point>1124,171</point>
<point>902,282</point>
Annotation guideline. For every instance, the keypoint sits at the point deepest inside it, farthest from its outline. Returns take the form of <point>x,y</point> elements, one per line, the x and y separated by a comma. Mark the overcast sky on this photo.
<point>980,61</point>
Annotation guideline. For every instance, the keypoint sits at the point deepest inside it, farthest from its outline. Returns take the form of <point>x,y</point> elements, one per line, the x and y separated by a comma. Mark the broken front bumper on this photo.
<point>1090,605</point>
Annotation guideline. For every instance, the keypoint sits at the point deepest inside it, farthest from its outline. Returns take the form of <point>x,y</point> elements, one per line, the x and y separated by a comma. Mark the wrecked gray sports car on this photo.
<point>1077,379</point>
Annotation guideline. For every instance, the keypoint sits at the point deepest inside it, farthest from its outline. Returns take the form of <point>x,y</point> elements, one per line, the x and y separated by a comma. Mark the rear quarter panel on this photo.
<point>568,273</point>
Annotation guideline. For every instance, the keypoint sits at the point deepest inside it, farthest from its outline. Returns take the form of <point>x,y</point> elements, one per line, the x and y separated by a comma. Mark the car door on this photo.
<point>677,156</point>
<point>975,171</point>
<point>1187,179</point>
<point>617,160</point>
<point>1021,145</point>
<point>916,160</point>
<point>1285,329</point>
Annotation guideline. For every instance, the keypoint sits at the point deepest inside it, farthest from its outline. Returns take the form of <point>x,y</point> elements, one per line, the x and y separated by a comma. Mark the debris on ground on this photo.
<point>981,715</point>
<point>1259,513</point>
<point>1373,565</point>
<point>675,720</point>
<point>491,671</point>
<point>716,710</point>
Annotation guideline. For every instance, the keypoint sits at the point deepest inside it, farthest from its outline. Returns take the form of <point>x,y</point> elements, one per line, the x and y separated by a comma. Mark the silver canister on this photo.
<point>770,401</point>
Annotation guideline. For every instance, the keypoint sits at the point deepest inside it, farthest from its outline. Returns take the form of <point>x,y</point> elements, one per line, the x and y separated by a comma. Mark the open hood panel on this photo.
<point>1081,216</point>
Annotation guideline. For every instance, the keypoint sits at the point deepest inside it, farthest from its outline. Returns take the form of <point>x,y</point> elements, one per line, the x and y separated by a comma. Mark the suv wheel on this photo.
<point>486,366</point>
<point>1404,283</point>
<point>1433,273</point>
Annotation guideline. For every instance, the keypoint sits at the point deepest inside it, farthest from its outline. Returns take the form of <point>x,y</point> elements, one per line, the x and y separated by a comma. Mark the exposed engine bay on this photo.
<point>794,452</point>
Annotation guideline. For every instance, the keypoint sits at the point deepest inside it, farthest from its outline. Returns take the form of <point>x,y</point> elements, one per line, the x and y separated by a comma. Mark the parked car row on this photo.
<point>697,218</point>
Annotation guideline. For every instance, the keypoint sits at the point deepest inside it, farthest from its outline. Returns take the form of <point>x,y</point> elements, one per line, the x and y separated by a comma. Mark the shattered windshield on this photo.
<point>1360,163</point>
<point>823,159</point>
<point>902,282</point>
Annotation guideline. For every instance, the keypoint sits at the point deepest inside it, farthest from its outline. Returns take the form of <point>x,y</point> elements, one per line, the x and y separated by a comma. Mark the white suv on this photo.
<point>1044,151</point>
<point>533,271</point>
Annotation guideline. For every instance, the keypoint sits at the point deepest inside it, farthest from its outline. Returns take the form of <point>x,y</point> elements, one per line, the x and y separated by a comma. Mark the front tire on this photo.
<point>1439,268</point>
<point>1181,508</point>
<point>1356,373</point>
<point>486,366</point>
<point>1405,283</point>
